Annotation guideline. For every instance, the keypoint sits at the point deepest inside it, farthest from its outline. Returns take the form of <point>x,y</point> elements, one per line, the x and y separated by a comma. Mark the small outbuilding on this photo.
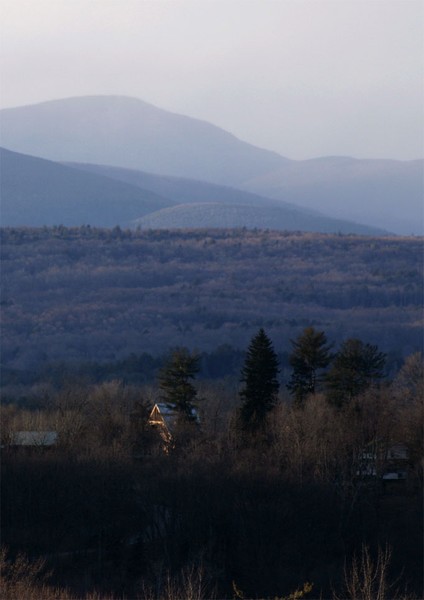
<point>34,438</point>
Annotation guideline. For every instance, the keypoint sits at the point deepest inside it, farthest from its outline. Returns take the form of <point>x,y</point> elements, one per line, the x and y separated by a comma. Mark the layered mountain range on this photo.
<point>114,160</point>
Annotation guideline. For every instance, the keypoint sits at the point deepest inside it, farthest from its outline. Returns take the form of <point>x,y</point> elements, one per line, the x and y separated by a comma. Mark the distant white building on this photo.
<point>397,463</point>
<point>33,438</point>
<point>392,463</point>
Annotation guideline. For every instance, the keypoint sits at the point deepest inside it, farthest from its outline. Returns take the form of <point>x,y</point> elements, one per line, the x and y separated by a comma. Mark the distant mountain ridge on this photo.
<point>128,133</point>
<point>385,192</point>
<point>181,189</point>
<point>37,192</point>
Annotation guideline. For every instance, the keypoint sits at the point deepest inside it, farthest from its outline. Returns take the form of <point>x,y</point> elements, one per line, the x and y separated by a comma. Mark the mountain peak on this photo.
<point>127,132</point>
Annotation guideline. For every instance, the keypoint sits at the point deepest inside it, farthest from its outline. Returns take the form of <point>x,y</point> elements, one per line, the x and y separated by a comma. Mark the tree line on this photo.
<point>344,375</point>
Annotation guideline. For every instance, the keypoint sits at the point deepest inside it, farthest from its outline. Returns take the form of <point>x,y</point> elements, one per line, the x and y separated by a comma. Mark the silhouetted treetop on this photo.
<point>310,355</point>
<point>259,375</point>
<point>357,366</point>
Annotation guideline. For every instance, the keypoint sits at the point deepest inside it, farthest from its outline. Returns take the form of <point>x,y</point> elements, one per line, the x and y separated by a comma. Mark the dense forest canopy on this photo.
<point>83,294</point>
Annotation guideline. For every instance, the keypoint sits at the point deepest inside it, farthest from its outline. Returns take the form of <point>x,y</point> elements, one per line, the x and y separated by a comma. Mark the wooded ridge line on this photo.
<point>84,294</point>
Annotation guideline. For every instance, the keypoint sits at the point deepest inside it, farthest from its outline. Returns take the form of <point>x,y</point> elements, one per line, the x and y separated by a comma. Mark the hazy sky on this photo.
<point>306,78</point>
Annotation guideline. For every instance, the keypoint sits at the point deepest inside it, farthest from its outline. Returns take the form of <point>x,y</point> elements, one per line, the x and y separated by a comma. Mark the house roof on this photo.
<point>165,410</point>
<point>394,475</point>
<point>167,413</point>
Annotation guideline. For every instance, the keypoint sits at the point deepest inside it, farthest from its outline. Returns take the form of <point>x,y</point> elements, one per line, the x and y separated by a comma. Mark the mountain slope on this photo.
<point>287,216</point>
<point>130,133</point>
<point>385,193</point>
<point>215,215</point>
<point>181,190</point>
<point>38,192</point>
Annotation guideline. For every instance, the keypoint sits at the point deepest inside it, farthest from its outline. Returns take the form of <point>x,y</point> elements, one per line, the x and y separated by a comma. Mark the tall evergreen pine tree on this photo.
<point>175,381</point>
<point>310,355</point>
<point>357,366</point>
<point>259,375</point>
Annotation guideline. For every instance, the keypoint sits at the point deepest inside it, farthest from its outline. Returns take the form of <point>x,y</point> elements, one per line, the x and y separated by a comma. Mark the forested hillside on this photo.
<point>292,465</point>
<point>216,215</point>
<point>86,294</point>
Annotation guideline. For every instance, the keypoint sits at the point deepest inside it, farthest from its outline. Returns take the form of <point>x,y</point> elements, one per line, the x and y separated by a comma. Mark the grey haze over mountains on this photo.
<point>127,133</point>
<point>201,204</point>
<point>387,193</point>
<point>37,192</point>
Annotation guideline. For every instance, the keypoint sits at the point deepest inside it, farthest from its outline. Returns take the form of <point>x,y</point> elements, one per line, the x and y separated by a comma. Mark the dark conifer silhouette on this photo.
<point>356,367</point>
<point>310,355</point>
<point>259,375</point>
<point>175,381</point>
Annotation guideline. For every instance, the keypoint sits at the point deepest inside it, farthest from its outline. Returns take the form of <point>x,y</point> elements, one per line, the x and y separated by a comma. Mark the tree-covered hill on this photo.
<point>215,215</point>
<point>85,294</point>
